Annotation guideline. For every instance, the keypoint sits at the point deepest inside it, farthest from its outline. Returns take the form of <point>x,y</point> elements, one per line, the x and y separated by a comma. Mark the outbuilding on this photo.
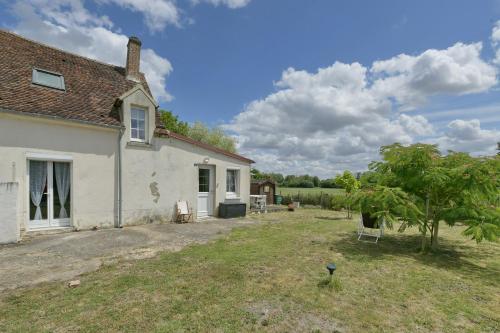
<point>265,187</point>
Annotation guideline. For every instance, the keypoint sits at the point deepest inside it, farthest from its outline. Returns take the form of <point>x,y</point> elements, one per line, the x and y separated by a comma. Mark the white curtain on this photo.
<point>231,181</point>
<point>38,179</point>
<point>63,182</point>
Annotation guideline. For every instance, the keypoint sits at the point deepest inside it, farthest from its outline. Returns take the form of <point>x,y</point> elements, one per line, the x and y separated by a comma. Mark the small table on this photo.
<point>259,202</point>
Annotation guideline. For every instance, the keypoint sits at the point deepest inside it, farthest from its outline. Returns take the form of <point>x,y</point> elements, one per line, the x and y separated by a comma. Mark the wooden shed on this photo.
<point>264,187</point>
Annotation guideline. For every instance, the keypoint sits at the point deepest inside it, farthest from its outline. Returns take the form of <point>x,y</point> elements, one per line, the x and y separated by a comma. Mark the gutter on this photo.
<point>49,117</point>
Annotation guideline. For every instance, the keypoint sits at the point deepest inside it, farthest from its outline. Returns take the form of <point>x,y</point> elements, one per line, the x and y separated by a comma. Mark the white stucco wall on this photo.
<point>158,174</point>
<point>155,175</point>
<point>92,150</point>
<point>9,228</point>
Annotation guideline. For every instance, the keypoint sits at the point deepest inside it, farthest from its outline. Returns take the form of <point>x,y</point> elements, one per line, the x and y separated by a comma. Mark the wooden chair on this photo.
<point>184,212</point>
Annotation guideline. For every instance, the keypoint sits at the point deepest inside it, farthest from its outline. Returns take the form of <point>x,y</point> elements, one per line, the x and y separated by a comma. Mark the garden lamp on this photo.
<point>331,268</point>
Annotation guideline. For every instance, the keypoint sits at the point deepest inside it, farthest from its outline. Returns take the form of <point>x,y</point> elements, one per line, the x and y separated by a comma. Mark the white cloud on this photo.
<point>416,125</point>
<point>339,116</point>
<point>467,135</point>
<point>157,13</point>
<point>495,42</point>
<point>68,25</point>
<point>456,70</point>
<point>229,3</point>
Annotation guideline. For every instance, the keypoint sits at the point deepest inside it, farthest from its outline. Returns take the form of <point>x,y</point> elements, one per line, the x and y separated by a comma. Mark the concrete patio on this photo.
<point>61,257</point>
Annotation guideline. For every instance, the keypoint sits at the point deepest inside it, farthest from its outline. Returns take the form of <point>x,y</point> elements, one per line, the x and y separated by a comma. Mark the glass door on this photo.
<point>49,194</point>
<point>205,191</point>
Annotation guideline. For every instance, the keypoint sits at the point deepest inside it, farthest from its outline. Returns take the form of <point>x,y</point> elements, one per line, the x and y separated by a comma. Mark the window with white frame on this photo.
<point>232,183</point>
<point>138,124</point>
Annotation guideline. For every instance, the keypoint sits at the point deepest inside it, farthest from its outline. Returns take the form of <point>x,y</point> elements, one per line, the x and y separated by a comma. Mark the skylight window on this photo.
<point>48,79</point>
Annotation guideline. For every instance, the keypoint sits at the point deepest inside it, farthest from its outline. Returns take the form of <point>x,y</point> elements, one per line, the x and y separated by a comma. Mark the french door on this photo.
<point>49,194</point>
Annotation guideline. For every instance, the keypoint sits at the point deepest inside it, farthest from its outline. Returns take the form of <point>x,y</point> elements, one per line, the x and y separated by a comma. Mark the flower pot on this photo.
<point>369,221</point>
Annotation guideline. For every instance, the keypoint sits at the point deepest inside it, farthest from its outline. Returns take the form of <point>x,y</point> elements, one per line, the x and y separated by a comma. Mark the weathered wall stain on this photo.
<point>154,191</point>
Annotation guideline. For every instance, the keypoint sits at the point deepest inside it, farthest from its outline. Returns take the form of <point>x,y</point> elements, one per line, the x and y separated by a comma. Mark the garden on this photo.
<point>272,277</point>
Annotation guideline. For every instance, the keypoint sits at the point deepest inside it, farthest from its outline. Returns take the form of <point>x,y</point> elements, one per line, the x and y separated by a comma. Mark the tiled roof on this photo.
<point>91,86</point>
<point>166,133</point>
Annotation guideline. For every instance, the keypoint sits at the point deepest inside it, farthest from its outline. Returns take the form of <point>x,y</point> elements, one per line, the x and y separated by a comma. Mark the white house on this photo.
<point>81,146</point>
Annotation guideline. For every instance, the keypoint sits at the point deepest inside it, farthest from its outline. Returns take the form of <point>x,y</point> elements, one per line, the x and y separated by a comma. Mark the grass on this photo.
<point>272,277</point>
<point>304,191</point>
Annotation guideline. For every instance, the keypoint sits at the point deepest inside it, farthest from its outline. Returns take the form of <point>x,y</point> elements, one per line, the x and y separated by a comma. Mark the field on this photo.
<point>271,277</point>
<point>305,191</point>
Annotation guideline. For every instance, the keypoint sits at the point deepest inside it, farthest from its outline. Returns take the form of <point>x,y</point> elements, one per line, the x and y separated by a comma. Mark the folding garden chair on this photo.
<point>369,226</point>
<point>184,212</point>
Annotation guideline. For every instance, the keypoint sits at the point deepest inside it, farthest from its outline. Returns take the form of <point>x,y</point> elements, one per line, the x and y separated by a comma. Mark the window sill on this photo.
<point>139,144</point>
<point>232,197</point>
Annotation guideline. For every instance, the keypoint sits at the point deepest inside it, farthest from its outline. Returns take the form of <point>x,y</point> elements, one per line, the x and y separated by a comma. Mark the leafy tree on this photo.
<point>368,179</point>
<point>348,182</point>
<point>172,123</point>
<point>452,188</point>
<point>316,181</point>
<point>277,177</point>
<point>328,183</point>
<point>215,137</point>
<point>389,204</point>
<point>256,174</point>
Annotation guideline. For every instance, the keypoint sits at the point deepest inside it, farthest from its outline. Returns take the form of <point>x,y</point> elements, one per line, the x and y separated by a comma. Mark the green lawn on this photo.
<point>271,277</point>
<point>305,191</point>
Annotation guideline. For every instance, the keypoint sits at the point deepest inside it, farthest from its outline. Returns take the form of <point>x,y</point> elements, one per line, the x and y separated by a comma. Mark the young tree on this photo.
<point>451,188</point>
<point>348,182</point>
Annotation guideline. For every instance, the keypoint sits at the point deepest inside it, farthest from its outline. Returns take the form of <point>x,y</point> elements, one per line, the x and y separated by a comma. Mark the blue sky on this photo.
<point>251,66</point>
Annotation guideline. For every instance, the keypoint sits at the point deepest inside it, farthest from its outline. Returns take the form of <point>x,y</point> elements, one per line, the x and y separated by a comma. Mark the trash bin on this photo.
<point>278,199</point>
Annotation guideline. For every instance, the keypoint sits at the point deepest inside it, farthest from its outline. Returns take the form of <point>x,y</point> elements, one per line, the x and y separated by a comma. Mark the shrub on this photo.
<point>338,202</point>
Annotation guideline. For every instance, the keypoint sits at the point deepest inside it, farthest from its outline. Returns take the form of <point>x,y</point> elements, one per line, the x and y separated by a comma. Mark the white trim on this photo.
<point>49,157</point>
<point>141,88</point>
<point>146,123</point>
<point>234,195</point>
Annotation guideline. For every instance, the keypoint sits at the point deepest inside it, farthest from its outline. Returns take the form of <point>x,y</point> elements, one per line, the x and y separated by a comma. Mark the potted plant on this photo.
<point>381,204</point>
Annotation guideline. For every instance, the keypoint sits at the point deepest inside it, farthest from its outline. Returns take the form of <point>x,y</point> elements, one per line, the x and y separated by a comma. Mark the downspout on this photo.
<point>120,180</point>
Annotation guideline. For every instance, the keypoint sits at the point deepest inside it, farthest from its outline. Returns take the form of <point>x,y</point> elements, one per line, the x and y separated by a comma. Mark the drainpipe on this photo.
<point>120,181</point>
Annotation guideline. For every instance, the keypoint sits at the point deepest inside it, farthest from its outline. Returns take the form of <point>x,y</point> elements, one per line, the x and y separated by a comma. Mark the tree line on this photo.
<point>299,181</point>
<point>198,131</point>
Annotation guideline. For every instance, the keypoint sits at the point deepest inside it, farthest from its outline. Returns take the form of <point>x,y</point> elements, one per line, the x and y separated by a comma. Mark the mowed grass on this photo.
<point>271,277</point>
<point>305,191</point>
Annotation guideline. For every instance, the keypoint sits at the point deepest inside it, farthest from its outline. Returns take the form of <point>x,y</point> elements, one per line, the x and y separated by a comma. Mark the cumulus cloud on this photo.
<point>68,25</point>
<point>337,117</point>
<point>467,135</point>
<point>456,70</point>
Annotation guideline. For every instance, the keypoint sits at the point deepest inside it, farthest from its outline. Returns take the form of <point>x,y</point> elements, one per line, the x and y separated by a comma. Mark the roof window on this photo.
<point>48,79</point>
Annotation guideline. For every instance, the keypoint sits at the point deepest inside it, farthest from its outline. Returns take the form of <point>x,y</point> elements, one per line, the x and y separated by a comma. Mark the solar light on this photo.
<point>331,268</point>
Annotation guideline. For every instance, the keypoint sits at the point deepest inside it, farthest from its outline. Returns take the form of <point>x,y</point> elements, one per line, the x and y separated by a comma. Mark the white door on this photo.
<point>205,191</point>
<point>49,194</point>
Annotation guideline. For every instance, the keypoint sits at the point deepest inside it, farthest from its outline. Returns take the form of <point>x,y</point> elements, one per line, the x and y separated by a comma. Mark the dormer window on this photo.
<point>48,79</point>
<point>138,124</point>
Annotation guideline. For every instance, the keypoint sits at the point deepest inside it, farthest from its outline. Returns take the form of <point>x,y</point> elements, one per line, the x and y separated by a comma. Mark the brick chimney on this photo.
<point>133,58</point>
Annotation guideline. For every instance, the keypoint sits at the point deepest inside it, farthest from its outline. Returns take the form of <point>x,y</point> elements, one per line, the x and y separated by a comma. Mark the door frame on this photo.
<point>51,222</point>
<point>211,192</point>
